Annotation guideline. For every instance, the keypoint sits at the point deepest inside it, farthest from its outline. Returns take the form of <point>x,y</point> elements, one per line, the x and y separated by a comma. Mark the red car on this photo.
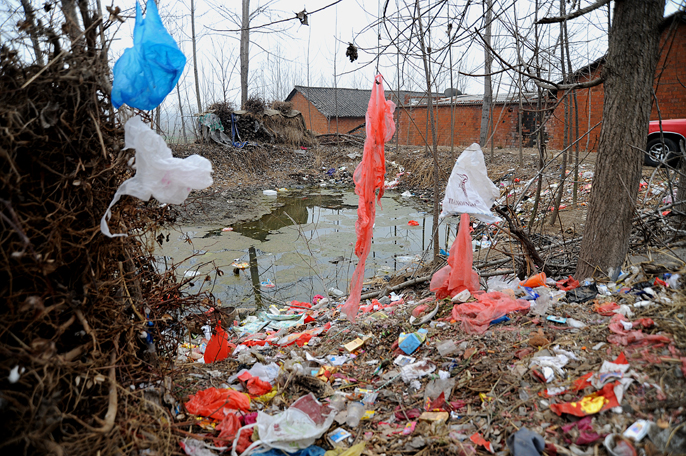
<point>657,152</point>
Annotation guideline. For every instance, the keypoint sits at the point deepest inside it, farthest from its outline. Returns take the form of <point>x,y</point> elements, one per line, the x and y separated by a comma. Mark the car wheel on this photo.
<point>657,153</point>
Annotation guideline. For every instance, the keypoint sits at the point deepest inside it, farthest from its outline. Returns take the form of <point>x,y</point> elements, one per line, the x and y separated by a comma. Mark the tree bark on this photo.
<point>195,59</point>
<point>244,50</point>
<point>31,20</point>
<point>430,107</point>
<point>488,62</point>
<point>629,72</point>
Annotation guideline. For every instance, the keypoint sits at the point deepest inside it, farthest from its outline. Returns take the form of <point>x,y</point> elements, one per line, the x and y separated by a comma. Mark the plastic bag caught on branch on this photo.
<point>369,177</point>
<point>469,189</point>
<point>168,179</point>
<point>146,73</point>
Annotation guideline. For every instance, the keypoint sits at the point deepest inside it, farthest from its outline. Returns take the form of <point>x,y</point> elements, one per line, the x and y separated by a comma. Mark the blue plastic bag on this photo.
<point>146,73</point>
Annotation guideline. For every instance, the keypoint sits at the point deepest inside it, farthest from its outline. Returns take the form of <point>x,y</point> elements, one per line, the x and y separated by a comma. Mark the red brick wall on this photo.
<point>586,99</point>
<point>670,82</point>
<point>670,77</point>
<point>317,122</point>
<point>467,125</point>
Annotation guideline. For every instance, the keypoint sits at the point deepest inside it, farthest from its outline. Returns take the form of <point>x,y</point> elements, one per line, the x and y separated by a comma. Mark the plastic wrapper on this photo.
<point>476,316</point>
<point>369,177</point>
<point>457,275</point>
<point>213,402</point>
<point>469,190</point>
<point>146,73</point>
<point>158,174</point>
<point>599,401</point>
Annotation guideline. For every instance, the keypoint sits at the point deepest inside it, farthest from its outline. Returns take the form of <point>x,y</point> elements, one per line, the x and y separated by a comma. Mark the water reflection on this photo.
<point>290,210</point>
<point>304,246</point>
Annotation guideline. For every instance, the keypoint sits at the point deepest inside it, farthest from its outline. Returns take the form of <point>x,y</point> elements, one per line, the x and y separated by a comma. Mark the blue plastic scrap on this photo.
<point>146,73</point>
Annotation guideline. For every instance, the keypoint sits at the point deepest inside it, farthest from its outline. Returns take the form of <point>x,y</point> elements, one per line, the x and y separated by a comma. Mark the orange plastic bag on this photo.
<point>476,316</point>
<point>218,348</point>
<point>212,402</point>
<point>458,274</point>
<point>257,387</point>
<point>369,178</point>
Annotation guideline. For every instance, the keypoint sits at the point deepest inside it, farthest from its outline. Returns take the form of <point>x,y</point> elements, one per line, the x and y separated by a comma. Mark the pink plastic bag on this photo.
<point>369,177</point>
<point>476,316</point>
<point>458,274</point>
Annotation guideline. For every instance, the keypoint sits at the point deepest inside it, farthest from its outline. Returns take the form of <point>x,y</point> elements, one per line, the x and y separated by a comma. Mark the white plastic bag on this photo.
<point>297,428</point>
<point>469,189</point>
<point>158,173</point>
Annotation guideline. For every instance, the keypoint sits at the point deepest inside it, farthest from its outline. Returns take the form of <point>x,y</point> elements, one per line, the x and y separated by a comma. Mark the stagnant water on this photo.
<point>304,246</point>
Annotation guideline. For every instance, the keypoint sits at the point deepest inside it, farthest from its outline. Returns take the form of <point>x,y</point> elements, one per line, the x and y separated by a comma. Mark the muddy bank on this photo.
<point>241,174</point>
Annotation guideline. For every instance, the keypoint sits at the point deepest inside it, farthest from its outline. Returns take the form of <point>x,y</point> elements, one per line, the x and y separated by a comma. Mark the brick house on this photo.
<point>415,127</point>
<point>322,107</point>
<point>669,85</point>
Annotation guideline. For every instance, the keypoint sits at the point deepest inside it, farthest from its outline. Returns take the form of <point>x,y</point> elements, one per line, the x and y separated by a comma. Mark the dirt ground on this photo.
<point>239,174</point>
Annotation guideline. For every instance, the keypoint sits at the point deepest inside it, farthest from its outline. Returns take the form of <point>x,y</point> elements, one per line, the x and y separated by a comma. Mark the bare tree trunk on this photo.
<point>539,133</point>
<point>425,59</point>
<point>567,132</point>
<point>195,58</point>
<point>488,61</point>
<point>31,20</point>
<point>629,73</point>
<point>244,50</point>
<point>158,127</point>
<point>71,20</point>
<point>183,121</point>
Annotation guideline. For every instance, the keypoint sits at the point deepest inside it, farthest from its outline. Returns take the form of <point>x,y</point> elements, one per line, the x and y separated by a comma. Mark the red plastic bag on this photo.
<point>567,284</point>
<point>257,387</point>
<point>218,348</point>
<point>458,274</point>
<point>228,428</point>
<point>607,309</point>
<point>476,316</point>
<point>212,402</point>
<point>369,177</point>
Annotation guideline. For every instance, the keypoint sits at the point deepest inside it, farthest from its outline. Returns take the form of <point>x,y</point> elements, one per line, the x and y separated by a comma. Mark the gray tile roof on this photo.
<point>351,102</point>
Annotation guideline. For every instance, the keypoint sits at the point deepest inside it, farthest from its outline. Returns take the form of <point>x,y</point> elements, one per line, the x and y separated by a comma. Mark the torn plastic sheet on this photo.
<point>158,174</point>
<point>369,178</point>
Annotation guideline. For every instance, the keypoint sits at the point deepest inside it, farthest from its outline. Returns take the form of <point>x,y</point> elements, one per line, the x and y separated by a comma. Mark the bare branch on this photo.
<point>575,14</point>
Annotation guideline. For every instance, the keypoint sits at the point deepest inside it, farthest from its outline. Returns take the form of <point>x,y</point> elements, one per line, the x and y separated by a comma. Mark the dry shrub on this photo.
<point>223,109</point>
<point>255,105</point>
<point>284,107</point>
<point>74,302</point>
<point>290,130</point>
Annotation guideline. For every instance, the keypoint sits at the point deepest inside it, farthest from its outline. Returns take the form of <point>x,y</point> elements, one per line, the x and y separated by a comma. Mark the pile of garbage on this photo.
<point>542,365</point>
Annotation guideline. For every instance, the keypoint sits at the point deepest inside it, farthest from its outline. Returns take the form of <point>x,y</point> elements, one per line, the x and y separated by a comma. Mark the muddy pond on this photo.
<point>303,246</point>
